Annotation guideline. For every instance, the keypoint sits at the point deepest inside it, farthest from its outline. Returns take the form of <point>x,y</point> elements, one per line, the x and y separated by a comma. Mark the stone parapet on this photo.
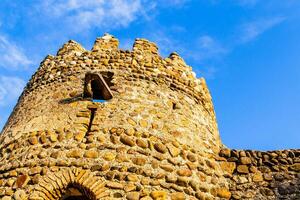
<point>110,123</point>
<point>119,124</point>
<point>262,175</point>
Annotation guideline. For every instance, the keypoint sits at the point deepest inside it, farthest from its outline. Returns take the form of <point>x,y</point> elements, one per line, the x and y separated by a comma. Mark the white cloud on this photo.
<point>205,47</point>
<point>11,55</point>
<point>82,15</point>
<point>174,2</point>
<point>10,89</point>
<point>251,30</point>
<point>165,42</point>
<point>208,47</point>
<point>207,71</point>
<point>204,51</point>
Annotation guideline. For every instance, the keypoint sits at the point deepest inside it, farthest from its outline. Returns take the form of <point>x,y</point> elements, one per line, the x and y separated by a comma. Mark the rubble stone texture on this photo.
<point>155,137</point>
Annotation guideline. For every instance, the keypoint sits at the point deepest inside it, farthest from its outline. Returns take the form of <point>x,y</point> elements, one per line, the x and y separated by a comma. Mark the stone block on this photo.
<point>243,169</point>
<point>22,181</point>
<point>228,167</point>
<point>127,140</point>
<point>159,195</point>
<point>133,196</point>
<point>223,193</point>
<point>257,177</point>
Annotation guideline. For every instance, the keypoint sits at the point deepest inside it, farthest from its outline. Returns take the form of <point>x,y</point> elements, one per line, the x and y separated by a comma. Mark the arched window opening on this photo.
<point>96,86</point>
<point>73,193</point>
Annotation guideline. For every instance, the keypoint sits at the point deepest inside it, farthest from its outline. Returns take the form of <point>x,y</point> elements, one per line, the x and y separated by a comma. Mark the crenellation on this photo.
<point>154,137</point>
<point>70,47</point>
<point>144,49</point>
<point>106,42</point>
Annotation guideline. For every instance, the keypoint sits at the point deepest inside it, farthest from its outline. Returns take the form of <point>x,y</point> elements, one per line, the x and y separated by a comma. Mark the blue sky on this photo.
<point>248,51</point>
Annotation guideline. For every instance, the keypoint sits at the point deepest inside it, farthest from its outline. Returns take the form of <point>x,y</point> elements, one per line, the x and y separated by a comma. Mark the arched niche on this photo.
<point>70,184</point>
<point>74,193</point>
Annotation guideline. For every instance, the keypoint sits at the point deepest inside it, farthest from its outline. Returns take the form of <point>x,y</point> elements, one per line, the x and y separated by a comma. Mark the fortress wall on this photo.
<point>157,138</point>
<point>125,161</point>
<point>262,175</point>
<point>60,79</point>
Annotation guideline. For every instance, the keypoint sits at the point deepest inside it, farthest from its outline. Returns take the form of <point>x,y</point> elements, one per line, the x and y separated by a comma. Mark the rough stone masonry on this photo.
<point>118,124</point>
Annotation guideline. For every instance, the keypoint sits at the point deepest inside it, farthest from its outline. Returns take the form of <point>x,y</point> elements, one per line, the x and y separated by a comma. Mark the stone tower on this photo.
<point>116,124</point>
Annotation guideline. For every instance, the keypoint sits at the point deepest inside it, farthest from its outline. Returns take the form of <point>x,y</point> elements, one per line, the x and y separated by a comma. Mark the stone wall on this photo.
<point>262,175</point>
<point>125,161</point>
<point>157,138</point>
<point>164,92</point>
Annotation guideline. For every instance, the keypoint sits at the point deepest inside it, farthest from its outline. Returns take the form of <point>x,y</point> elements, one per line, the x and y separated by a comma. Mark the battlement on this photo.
<point>140,68</point>
<point>111,123</point>
<point>142,62</point>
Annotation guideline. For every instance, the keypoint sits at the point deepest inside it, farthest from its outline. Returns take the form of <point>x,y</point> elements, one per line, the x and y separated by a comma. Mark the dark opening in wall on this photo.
<point>97,86</point>
<point>72,193</point>
<point>77,198</point>
<point>174,106</point>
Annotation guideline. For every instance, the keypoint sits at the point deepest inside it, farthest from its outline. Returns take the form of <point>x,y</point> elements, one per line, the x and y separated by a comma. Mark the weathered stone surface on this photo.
<point>142,143</point>
<point>22,181</point>
<point>154,137</point>
<point>127,140</point>
<point>225,153</point>
<point>245,160</point>
<point>257,177</point>
<point>20,195</point>
<point>178,196</point>
<point>228,167</point>
<point>243,169</point>
<point>76,153</point>
<point>33,140</point>
<point>114,185</point>
<point>91,154</point>
<point>184,172</point>
<point>268,176</point>
<point>109,156</point>
<point>223,193</point>
<point>295,167</point>
<point>139,161</point>
<point>159,195</point>
<point>133,196</point>
<point>173,150</point>
<point>132,177</point>
<point>79,135</point>
<point>160,147</point>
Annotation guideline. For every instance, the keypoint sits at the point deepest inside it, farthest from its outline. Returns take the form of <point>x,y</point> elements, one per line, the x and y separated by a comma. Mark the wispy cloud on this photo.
<point>174,2</point>
<point>10,88</point>
<point>165,42</point>
<point>208,47</point>
<point>251,30</point>
<point>204,50</point>
<point>82,15</point>
<point>11,55</point>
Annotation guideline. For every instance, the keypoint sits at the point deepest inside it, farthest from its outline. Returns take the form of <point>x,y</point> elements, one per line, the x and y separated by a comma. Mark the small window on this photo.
<point>97,88</point>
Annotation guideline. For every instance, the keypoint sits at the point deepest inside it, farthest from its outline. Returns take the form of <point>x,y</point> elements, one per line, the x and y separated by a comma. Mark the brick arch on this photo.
<point>54,185</point>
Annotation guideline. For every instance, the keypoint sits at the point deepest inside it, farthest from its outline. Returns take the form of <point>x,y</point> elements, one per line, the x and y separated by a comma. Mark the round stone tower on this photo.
<point>111,123</point>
